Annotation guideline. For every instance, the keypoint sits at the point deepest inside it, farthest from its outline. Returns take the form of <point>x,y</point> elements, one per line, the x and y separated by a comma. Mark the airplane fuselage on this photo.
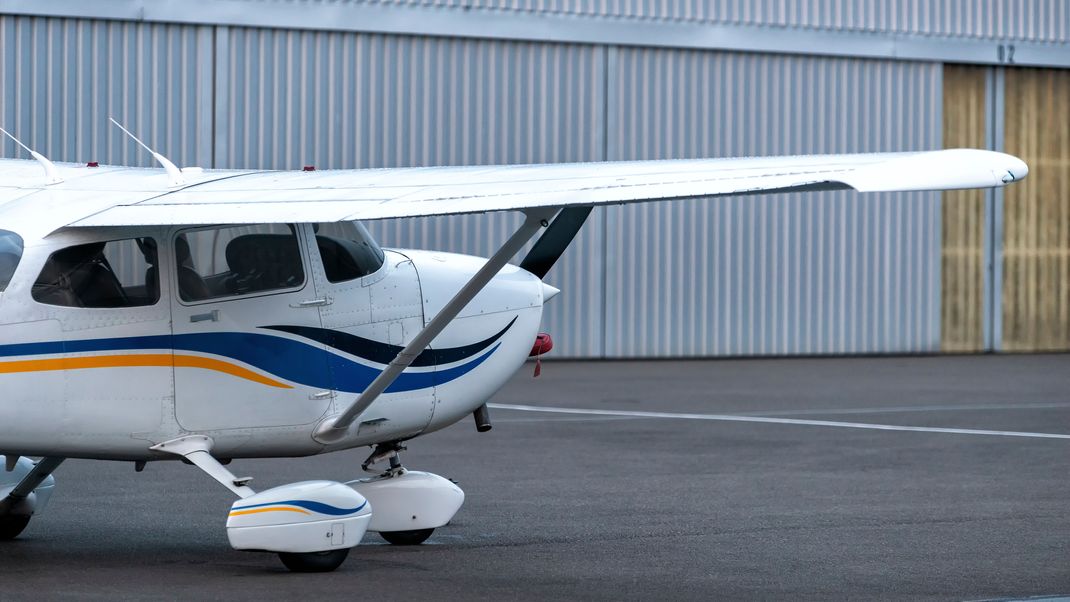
<point>114,340</point>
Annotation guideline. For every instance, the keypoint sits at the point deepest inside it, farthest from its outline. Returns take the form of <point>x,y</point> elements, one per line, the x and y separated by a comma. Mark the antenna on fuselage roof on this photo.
<point>173,172</point>
<point>50,168</point>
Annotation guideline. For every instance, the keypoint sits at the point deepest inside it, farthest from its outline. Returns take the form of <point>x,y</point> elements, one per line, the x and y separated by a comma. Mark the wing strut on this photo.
<point>333,429</point>
<point>551,245</point>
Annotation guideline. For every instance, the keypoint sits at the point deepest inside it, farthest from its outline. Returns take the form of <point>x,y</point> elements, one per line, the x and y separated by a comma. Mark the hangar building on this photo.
<point>381,83</point>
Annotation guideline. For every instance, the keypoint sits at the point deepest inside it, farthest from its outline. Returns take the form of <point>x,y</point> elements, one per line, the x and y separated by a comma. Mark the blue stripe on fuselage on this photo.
<point>291,360</point>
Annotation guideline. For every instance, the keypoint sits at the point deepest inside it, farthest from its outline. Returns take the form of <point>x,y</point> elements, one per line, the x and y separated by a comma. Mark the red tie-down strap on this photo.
<point>543,344</point>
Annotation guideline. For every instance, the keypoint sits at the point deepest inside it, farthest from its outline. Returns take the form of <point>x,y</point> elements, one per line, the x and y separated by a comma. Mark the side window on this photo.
<point>348,251</point>
<point>237,260</point>
<point>10,254</point>
<point>117,273</point>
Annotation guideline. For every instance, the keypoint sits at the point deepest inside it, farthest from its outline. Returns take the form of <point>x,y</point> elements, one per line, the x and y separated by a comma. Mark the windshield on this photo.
<point>10,254</point>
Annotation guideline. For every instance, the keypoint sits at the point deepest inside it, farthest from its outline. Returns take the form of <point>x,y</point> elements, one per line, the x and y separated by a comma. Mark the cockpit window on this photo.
<point>348,251</point>
<point>10,254</point>
<point>117,273</point>
<point>237,260</point>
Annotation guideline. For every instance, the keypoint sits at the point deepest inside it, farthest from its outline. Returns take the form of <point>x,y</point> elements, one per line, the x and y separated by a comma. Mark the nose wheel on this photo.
<point>407,538</point>
<point>404,498</point>
<point>392,451</point>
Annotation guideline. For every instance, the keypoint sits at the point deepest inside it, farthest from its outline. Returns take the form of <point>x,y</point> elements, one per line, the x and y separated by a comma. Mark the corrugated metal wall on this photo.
<point>815,273</point>
<point>1032,20</point>
<point>366,100</point>
<point>827,273</point>
<point>63,78</point>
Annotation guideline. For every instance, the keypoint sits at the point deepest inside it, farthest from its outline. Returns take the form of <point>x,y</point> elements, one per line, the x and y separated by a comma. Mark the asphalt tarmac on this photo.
<point>626,505</point>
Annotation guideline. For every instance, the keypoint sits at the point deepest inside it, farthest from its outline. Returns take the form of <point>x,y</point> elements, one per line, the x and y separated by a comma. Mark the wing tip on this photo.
<point>948,169</point>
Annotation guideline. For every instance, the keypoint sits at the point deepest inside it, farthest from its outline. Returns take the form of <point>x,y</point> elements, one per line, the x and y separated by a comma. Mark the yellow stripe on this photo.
<point>259,510</point>
<point>136,361</point>
<point>193,361</point>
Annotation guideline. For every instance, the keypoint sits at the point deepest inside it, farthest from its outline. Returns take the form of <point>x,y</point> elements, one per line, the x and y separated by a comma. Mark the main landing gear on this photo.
<point>25,488</point>
<point>312,525</point>
<point>314,562</point>
<point>12,526</point>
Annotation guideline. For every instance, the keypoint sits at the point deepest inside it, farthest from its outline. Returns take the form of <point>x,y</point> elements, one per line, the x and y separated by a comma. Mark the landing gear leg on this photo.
<point>391,450</point>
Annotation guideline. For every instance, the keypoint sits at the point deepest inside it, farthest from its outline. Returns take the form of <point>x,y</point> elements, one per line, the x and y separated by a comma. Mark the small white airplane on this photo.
<point>209,315</point>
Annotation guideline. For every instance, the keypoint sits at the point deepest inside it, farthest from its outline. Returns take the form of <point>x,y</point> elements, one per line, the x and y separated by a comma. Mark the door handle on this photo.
<point>323,395</point>
<point>312,303</point>
<point>212,316</point>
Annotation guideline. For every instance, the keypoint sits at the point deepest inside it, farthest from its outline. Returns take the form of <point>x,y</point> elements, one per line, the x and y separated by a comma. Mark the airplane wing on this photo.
<point>336,195</point>
<point>129,197</point>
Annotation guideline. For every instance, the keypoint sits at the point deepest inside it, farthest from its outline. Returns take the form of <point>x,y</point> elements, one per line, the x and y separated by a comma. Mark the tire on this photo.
<point>407,538</point>
<point>12,526</point>
<point>314,562</point>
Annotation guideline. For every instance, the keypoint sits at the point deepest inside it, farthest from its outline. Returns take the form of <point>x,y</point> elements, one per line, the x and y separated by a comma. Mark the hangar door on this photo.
<point>963,216</point>
<point>1026,303</point>
<point>1036,225</point>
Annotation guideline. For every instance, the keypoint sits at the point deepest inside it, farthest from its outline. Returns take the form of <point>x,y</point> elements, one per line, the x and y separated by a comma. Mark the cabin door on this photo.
<point>375,308</point>
<point>240,292</point>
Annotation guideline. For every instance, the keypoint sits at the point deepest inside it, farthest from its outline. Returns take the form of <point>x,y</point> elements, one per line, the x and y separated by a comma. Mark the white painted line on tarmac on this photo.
<point>772,420</point>
<point>907,409</point>
<point>589,419</point>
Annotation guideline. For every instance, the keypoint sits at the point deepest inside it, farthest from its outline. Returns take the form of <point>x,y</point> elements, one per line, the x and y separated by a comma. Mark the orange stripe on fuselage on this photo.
<point>138,361</point>
<point>259,510</point>
<point>193,361</point>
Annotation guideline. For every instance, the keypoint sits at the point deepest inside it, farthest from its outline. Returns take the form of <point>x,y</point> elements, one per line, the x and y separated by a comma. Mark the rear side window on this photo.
<point>348,251</point>
<point>10,254</point>
<point>117,273</point>
<point>238,260</point>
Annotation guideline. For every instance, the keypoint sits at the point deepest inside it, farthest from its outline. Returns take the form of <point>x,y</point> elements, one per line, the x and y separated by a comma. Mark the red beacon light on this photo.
<point>309,168</point>
<point>92,164</point>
